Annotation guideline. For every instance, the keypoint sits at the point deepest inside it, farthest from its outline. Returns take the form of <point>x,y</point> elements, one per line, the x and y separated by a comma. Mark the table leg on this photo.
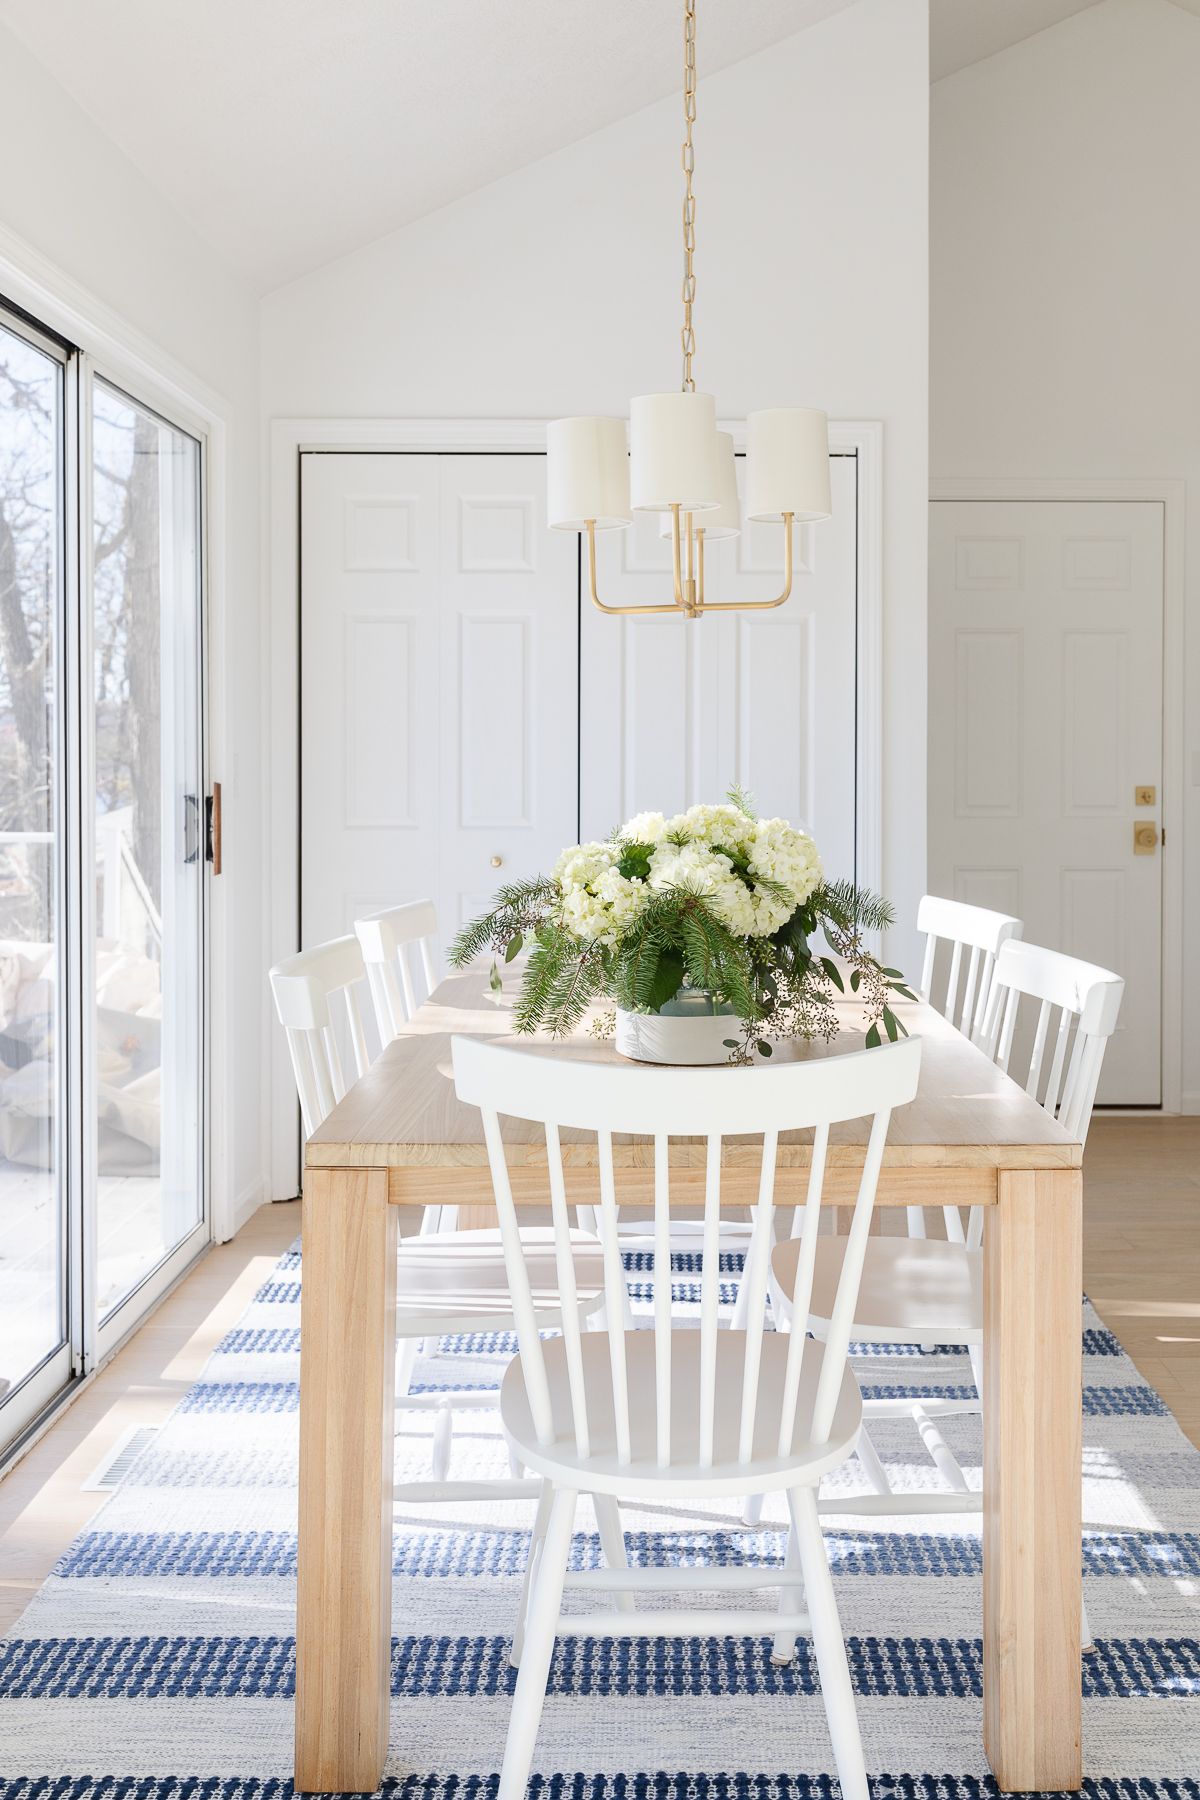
<point>347,1391</point>
<point>1032,1470</point>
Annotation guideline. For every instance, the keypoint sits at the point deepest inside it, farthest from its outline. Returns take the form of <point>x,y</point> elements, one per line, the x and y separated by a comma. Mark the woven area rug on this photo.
<point>158,1659</point>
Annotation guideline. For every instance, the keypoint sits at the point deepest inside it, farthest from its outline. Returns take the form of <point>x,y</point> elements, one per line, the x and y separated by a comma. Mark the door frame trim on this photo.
<point>289,439</point>
<point>1171,494</point>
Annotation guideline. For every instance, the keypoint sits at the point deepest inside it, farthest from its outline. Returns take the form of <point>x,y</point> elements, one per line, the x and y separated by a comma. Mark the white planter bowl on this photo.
<point>686,1031</point>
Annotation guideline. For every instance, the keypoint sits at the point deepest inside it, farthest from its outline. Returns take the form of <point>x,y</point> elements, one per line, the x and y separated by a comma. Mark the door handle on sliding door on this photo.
<point>212,826</point>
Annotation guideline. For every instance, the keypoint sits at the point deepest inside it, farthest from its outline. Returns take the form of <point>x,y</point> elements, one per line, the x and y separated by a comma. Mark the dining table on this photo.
<point>400,1138</point>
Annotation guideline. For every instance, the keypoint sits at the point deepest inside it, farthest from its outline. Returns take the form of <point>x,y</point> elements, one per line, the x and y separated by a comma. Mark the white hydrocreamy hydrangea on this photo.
<point>752,873</point>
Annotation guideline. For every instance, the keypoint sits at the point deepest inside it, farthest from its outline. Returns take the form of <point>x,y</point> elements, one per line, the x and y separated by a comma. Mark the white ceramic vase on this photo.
<point>692,1028</point>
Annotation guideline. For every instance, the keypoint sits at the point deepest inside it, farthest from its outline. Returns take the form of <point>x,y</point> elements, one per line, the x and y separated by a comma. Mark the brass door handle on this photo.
<point>1145,838</point>
<point>496,861</point>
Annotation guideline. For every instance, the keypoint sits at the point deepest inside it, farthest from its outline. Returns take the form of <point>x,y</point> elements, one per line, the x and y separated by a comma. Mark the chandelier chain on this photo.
<point>688,335</point>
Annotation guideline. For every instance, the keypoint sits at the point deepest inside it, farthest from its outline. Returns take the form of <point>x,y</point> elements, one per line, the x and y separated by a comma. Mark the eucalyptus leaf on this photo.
<point>855,979</point>
<point>834,973</point>
<point>873,1039</point>
<point>513,947</point>
<point>494,981</point>
<point>763,1048</point>
<point>891,1023</point>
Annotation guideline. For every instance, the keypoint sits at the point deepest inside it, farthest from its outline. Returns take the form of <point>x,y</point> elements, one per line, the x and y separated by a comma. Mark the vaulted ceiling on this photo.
<point>291,131</point>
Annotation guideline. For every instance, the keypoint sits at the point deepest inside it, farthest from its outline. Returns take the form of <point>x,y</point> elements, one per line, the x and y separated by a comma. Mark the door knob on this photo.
<point>496,861</point>
<point>1145,838</point>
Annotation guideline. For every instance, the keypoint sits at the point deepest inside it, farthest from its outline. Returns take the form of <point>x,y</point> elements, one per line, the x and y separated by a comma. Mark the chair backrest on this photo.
<point>314,992</point>
<point>660,1104</point>
<point>389,939</point>
<point>963,927</point>
<point>1088,1000</point>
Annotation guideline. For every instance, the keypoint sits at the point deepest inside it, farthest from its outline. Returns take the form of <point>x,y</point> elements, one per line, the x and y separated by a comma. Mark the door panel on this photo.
<point>438,683</point>
<point>34,1349</point>
<point>1045,714</point>
<point>675,710</point>
<point>147,1022</point>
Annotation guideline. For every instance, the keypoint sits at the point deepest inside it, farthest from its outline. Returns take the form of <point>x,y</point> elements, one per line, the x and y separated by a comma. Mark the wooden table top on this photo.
<point>403,1113</point>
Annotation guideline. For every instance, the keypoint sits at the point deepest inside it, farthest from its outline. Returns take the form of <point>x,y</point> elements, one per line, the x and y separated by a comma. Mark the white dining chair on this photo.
<point>675,1413</point>
<point>446,1283</point>
<point>954,931</point>
<point>391,941</point>
<point>950,928</point>
<point>915,1291</point>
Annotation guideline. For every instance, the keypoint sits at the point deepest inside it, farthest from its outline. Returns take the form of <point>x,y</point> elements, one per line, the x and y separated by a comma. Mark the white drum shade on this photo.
<point>673,452</point>
<point>724,520</point>
<point>587,474</point>
<point>787,464</point>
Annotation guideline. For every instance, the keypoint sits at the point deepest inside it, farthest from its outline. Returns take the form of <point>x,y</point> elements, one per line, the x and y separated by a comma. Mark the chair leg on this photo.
<point>784,1646</point>
<point>540,1520</point>
<point>612,1542</point>
<point>443,1432</point>
<point>872,1466</point>
<point>1087,1642</point>
<point>752,1509</point>
<point>829,1645</point>
<point>975,1352</point>
<point>545,1602</point>
<point>406,1356</point>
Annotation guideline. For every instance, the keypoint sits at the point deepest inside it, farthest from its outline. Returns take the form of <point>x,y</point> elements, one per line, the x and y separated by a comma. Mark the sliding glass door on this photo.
<point>102,865</point>
<point>146,643</point>
<point>35,1223</point>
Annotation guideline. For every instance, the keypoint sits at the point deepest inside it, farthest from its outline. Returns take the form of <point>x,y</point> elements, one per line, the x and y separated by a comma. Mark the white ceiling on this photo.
<point>291,131</point>
<point>966,31</point>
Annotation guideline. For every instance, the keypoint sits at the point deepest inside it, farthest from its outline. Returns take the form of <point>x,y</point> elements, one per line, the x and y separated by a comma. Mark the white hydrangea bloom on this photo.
<point>779,852</point>
<point>697,851</point>
<point>644,828</point>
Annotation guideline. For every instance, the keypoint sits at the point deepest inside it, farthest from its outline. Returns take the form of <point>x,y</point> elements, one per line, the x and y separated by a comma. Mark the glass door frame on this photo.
<point>88,1342</point>
<point>43,1386</point>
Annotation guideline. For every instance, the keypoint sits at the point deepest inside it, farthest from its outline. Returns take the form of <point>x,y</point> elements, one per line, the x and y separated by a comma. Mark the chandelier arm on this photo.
<point>603,605</point>
<point>703,605</point>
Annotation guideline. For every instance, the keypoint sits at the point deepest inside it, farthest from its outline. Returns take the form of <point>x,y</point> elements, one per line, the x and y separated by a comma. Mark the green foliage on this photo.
<point>776,985</point>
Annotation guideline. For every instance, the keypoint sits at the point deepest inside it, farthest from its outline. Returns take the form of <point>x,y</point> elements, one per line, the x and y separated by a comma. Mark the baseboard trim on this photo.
<point>246,1205</point>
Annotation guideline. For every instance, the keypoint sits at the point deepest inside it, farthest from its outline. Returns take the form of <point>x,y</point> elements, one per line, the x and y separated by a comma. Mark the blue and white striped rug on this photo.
<point>157,1662</point>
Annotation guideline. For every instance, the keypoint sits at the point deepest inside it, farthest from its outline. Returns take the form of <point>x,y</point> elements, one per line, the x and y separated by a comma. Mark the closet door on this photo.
<point>439,713</point>
<point>674,711</point>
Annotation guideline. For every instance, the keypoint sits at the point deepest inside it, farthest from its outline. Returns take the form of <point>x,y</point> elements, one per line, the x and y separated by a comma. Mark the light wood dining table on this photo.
<point>972,1137</point>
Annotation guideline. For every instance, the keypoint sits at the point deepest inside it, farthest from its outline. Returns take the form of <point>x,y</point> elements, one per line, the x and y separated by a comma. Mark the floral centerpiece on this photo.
<point>710,913</point>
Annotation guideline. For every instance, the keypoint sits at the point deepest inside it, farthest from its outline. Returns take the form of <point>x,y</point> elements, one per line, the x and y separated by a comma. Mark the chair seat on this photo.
<point>914,1290</point>
<point>456,1281</point>
<point>600,1472</point>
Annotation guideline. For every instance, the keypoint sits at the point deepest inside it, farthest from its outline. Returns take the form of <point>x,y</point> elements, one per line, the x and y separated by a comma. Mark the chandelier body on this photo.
<point>677,463</point>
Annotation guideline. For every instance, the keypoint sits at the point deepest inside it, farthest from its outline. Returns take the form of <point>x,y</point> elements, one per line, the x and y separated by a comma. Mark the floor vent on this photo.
<point>112,1471</point>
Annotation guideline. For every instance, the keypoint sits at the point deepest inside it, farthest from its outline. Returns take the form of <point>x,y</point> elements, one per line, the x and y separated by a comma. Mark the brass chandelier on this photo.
<point>677,463</point>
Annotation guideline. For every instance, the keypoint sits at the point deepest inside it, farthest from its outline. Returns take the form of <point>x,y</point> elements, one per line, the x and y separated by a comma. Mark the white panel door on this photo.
<point>1045,717</point>
<point>675,710</point>
<point>438,683</point>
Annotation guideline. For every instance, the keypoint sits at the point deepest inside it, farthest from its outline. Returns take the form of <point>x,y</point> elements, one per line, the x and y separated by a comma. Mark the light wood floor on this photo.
<point>1141,1263</point>
<point>1141,1249</point>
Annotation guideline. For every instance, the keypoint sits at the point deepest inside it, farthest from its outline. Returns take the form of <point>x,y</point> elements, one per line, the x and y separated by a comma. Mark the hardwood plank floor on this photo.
<point>1141,1249</point>
<point>1141,1269</point>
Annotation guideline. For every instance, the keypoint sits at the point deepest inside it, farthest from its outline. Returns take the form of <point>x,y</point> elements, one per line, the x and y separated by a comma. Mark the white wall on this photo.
<point>555,290</point>
<point>119,253</point>
<point>1065,268</point>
